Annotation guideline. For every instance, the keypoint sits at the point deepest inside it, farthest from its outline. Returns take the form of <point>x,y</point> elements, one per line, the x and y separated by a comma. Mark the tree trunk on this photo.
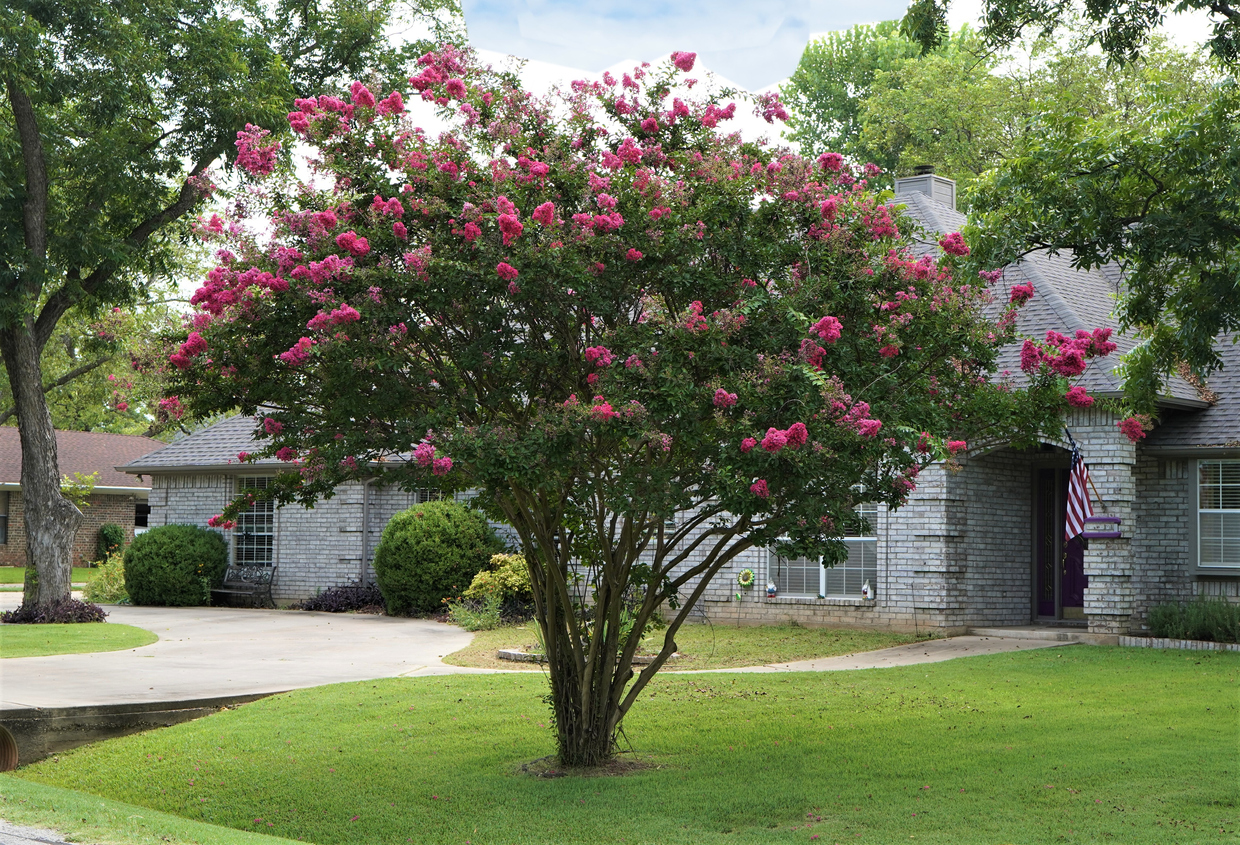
<point>49,518</point>
<point>586,718</point>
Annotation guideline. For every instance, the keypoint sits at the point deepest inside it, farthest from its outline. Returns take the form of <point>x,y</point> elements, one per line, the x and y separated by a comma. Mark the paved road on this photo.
<point>208,652</point>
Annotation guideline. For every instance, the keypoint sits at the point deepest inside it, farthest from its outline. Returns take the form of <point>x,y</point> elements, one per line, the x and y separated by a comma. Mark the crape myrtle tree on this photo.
<point>598,311</point>
<point>112,114</point>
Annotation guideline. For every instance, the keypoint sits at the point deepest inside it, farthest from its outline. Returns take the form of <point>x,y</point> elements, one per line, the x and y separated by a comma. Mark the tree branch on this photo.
<point>6,415</point>
<point>34,209</point>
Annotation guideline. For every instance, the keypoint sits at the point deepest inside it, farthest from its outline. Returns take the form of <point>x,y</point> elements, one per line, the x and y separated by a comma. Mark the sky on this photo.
<point>754,44</point>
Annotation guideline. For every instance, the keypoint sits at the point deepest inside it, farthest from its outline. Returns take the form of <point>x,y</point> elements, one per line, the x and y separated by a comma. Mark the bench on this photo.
<point>252,581</point>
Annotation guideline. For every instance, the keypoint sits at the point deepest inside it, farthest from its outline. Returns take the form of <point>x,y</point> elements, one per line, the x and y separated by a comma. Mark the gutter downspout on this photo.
<point>361,578</point>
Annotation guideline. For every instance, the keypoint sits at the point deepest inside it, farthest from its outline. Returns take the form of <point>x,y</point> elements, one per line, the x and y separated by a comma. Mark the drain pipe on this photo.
<point>361,577</point>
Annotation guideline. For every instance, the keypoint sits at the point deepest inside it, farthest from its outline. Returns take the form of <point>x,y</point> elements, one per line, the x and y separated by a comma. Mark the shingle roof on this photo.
<point>213,447</point>
<point>1065,299</point>
<point>1218,425</point>
<point>80,451</point>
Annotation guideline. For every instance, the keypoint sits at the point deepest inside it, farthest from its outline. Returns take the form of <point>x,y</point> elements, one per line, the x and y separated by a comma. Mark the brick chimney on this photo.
<point>924,181</point>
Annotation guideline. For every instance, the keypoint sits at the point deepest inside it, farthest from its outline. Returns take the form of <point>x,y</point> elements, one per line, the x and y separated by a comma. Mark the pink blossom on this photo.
<point>889,351</point>
<point>272,426</point>
<point>391,104</point>
<point>544,214</point>
<point>218,521</point>
<point>599,356</point>
<point>181,362</point>
<point>1021,294</point>
<point>399,230</point>
<point>828,328</point>
<point>172,407</point>
<point>955,447</point>
<point>1078,398</point>
<point>511,227</point>
<point>684,61</point>
<point>1133,428</point>
<point>633,255</point>
<point>747,444</point>
<point>506,271</point>
<point>831,162</point>
<point>339,316</point>
<point>350,241</point>
<point>602,410</point>
<point>869,428</point>
<point>723,399</point>
<point>287,454</point>
<point>361,96</point>
<point>243,456</point>
<point>327,219</point>
<point>954,244</point>
<point>195,344</point>
<point>650,125</point>
<point>775,440</point>
<point>760,489</point>
<point>441,466</point>
<point>455,88</point>
<point>253,156</point>
<point>1069,363</point>
<point>797,435</point>
<point>122,406</point>
<point>1031,357</point>
<point>424,454</point>
<point>298,353</point>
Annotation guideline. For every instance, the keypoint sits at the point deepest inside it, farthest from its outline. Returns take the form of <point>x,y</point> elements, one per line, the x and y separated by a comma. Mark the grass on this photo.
<point>17,574</point>
<point>702,646</point>
<point>88,818</point>
<point>1077,744</point>
<point>82,638</point>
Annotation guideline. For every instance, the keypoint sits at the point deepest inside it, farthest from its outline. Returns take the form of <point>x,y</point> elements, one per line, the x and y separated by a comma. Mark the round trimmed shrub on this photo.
<point>175,566</point>
<point>429,553</point>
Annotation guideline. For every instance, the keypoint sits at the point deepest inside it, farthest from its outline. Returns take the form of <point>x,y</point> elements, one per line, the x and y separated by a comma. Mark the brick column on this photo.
<point>1111,593</point>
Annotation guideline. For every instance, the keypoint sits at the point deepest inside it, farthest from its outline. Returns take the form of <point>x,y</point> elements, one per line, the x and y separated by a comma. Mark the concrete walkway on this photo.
<point>208,652</point>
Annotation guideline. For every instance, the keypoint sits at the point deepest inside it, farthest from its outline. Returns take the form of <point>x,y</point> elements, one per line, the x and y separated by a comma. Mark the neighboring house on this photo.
<point>980,546</point>
<point>194,478</point>
<point>117,498</point>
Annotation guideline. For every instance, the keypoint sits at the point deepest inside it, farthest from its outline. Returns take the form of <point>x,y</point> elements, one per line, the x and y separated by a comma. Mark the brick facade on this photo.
<point>103,508</point>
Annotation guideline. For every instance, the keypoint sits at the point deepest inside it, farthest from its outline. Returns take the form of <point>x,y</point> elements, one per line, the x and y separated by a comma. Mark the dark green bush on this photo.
<point>429,553</point>
<point>111,538</point>
<point>1205,619</point>
<point>175,566</point>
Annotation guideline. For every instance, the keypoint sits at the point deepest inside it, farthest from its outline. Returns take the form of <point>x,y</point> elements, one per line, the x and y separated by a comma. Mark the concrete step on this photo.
<point>1047,632</point>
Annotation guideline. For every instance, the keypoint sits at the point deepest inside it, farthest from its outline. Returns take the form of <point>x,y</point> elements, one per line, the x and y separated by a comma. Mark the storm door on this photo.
<point>1059,568</point>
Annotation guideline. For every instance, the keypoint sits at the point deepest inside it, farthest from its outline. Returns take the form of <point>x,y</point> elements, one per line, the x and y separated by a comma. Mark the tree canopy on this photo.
<point>646,345</point>
<point>113,115</point>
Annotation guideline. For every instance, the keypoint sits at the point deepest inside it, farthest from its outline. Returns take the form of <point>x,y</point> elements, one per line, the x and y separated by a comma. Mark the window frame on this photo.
<point>240,533</point>
<point>853,540</point>
<point>5,502</point>
<point>1196,521</point>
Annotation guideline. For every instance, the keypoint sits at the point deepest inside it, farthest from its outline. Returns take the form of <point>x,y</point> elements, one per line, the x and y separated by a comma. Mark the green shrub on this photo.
<point>429,553</point>
<point>1205,619</point>
<point>477,614</point>
<point>507,577</point>
<point>111,540</point>
<point>108,586</point>
<point>175,565</point>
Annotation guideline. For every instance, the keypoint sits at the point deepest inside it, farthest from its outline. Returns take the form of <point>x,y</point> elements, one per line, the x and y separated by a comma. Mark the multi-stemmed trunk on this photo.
<point>50,520</point>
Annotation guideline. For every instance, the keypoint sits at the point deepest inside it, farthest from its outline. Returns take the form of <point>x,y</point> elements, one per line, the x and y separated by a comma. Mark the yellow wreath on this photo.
<point>745,578</point>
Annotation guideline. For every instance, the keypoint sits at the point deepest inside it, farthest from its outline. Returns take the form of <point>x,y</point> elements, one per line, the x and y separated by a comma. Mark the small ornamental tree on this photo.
<point>598,311</point>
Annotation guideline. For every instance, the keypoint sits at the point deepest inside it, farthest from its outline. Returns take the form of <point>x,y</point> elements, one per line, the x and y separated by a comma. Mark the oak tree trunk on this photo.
<point>50,519</point>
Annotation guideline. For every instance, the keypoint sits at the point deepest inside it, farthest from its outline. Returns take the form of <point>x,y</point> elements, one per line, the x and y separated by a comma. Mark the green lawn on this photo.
<point>17,574</point>
<point>82,638</point>
<point>702,646</point>
<point>1077,744</point>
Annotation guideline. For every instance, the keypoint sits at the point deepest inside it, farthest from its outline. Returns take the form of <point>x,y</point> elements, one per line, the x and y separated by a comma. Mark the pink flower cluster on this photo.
<point>831,162</point>
<point>544,214</point>
<point>1078,398</point>
<point>602,410</point>
<point>253,155</point>
<point>298,353</point>
<point>336,317</point>
<point>218,521</point>
<point>506,271</point>
<point>769,108</point>
<point>723,399</point>
<point>954,244</point>
<point>858,418</point>
<point>1066,356</point>
<point>392,206</point>
<point>713,114</point>
<point>776,440</point>
<point>760,489</point>
<point>1021,293</point>
<point>195,344</point>
<point>272,426</point>
<point>354,243</point>
<point>684,61</point>
<point>828,329</point>
<point>424,456</point>
<point>1133,428</point>
<point>172,406</point>
<point>599,356</point>
<point>955,447</point>
<point>694,321</point>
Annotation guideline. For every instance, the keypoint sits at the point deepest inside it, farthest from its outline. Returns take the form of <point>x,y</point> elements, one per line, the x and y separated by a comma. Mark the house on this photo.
<point>117,498</point>
<point>194,478</point>
<point>981,545</point>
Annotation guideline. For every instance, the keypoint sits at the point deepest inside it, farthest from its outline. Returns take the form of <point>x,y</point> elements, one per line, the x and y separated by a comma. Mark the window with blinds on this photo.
<point>1218,513</point>
<point>254,536</point>
<point>805,577</point>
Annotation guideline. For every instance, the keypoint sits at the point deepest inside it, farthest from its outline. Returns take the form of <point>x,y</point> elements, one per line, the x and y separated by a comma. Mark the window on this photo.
<point>255,531</point>
<point>4,517</point>
<point>802,577</point>
<point>1218,513</point>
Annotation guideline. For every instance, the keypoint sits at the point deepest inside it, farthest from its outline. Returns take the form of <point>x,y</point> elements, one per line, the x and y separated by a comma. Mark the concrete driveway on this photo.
<point>211,652</point>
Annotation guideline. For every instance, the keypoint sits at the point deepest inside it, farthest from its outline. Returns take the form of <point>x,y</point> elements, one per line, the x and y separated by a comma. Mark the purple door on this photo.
<point>1059,579</point>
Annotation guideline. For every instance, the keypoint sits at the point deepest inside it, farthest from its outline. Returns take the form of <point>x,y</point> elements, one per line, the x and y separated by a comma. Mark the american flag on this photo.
<point>1079,508</point>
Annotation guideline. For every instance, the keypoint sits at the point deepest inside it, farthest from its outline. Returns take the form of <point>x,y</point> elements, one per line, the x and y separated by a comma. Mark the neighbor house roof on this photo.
<point>1065,299</point>
<point>214,447</point>
<point>80,451</point>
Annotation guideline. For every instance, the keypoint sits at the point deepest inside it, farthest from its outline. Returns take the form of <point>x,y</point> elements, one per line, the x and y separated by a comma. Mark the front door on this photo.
<point>1059,568</point>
